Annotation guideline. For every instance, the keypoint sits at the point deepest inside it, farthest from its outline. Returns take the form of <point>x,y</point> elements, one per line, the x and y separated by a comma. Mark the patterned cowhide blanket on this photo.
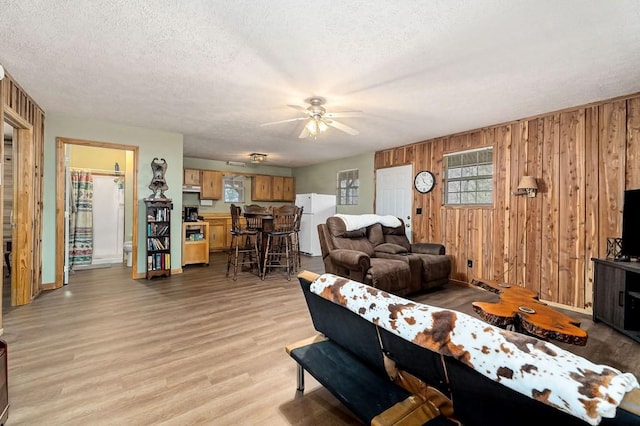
<point>523,363</point>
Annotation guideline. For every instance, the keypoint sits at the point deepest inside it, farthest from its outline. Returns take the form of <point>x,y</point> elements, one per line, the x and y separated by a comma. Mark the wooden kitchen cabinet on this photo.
<point>195,243</point>
<point>273,188</point>
<point>277,188</point>
<point>191,177</point>
<point>211,185</point>
<point>288,189</point>
<point>261,188</point>
<point>218,232</point>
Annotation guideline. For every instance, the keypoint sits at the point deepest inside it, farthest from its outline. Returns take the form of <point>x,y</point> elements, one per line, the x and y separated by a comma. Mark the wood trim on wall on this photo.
<point>19,110</point>
<point>583,160</point>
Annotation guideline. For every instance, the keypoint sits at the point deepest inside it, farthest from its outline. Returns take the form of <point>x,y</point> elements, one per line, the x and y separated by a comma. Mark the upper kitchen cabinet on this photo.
<point>277,193</point>
<point>191,177</point>
<point>288,189</point>
<point>273,188</point>
<point>211,185</point>
<point>261,188</point>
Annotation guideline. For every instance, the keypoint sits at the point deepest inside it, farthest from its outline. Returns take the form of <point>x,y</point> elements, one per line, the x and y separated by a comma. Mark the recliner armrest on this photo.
<point>428,248</point>
<point>351,259</point>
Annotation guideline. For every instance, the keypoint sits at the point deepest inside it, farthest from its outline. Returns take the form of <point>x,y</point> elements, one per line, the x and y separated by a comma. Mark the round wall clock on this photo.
<point>424,181</point>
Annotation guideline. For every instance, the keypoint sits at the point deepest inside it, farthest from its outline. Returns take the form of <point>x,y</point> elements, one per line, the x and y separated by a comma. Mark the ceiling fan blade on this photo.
<point>343,127</point>
<point>299,108</point>
<point>284,121</point>
<point>344,114</point>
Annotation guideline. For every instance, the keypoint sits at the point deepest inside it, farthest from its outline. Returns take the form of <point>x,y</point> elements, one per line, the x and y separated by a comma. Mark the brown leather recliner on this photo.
<point>382,257</point>
<point>430,266</point>
<point>350,254</point>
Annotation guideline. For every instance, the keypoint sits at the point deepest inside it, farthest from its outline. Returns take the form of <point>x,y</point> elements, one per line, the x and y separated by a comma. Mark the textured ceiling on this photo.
<point>215,70</point>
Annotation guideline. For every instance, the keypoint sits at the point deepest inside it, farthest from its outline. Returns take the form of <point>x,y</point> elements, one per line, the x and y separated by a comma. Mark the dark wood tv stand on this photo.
<point>616,295</point>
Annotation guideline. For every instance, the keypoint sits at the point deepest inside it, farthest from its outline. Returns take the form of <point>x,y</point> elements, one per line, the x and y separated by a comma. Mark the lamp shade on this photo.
<point>528,182</point>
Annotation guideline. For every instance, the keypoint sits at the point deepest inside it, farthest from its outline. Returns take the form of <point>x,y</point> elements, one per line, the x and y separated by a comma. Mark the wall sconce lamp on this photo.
<point>257,158</point>
<point>527,186</point>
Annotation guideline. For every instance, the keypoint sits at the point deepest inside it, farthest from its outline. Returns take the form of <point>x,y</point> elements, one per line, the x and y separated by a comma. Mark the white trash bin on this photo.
<point>127,253</point>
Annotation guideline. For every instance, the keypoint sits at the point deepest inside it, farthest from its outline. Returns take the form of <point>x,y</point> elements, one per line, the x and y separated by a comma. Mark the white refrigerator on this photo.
<point>316,209</point>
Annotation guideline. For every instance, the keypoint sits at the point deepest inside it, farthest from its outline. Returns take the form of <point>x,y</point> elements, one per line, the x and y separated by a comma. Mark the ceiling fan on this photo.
<point>318,119</point>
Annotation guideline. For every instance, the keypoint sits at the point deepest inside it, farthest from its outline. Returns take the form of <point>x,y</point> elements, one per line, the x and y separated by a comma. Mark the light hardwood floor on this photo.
<point>193,349</point>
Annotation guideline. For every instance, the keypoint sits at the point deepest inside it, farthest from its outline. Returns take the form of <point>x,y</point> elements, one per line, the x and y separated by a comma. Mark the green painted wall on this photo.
<point>151,143</point>
<point>322,179</point>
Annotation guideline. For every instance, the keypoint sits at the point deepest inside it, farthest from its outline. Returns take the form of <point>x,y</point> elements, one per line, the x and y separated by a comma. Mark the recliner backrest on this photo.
<point>340,238</point>
<point>396,235</point>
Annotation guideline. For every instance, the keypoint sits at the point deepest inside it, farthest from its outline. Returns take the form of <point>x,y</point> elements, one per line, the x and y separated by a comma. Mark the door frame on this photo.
<point>60,196</point>
<point>24,286</point>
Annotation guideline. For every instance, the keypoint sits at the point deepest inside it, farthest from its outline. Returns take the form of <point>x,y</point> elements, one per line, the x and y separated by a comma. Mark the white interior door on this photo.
<point>394,192</point>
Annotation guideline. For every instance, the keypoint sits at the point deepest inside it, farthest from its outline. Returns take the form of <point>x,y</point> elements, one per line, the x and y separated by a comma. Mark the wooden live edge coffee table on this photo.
<point>520,309</point>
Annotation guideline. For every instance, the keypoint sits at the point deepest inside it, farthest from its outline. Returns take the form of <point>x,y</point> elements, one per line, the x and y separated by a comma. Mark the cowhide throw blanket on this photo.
<point>525,364</point>
<point>357,221</point>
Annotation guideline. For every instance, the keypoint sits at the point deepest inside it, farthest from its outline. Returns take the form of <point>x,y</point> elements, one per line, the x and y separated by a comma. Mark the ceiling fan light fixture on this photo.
<point>322,126</point>
<point>312,127</point>
<point>317,120</point>
<point>257,158</point>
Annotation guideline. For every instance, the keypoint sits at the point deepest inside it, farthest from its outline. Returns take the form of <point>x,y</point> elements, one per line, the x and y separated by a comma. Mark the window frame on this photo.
<point>240,189</point>
<point>351,192</point>
<point>469,184</point>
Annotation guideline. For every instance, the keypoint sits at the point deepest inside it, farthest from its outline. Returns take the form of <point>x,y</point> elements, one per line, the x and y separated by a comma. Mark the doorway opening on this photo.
<point>96,206</point>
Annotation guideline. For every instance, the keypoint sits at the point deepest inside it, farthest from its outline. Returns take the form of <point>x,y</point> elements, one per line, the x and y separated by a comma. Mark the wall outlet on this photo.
<point>469,263</point>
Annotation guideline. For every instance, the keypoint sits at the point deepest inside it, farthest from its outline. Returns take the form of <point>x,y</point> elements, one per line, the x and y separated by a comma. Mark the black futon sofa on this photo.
<point>488,376</point>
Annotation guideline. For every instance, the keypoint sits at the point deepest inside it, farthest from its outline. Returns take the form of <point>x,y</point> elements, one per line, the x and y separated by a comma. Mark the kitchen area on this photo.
<point>208,194</point>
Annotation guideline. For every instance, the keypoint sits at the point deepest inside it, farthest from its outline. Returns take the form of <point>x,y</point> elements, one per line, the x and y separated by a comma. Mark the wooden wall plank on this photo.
<point>550,208</point>
<point>502,202</point>
<point>593,246</point>
<point>533,221</point>
<point>435,232</point>
<point>515,249</point>
<point>611,170</point>
<point>571,206</point>
<point>632,180</point>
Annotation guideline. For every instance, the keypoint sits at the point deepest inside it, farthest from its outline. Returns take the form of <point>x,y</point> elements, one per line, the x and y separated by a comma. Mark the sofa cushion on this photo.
<point>388,274</point>
<point>374,233</point>
<point>396,235</point>
<point>391,248</point>
<point>358,233</point>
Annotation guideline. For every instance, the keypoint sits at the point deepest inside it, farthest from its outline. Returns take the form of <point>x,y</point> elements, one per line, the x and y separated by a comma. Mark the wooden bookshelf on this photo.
<point>158,236</point>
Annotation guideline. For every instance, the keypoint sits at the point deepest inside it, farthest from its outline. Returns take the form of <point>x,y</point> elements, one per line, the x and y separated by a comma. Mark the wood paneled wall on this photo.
<point>27,118</point>
<point>583,159</point>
